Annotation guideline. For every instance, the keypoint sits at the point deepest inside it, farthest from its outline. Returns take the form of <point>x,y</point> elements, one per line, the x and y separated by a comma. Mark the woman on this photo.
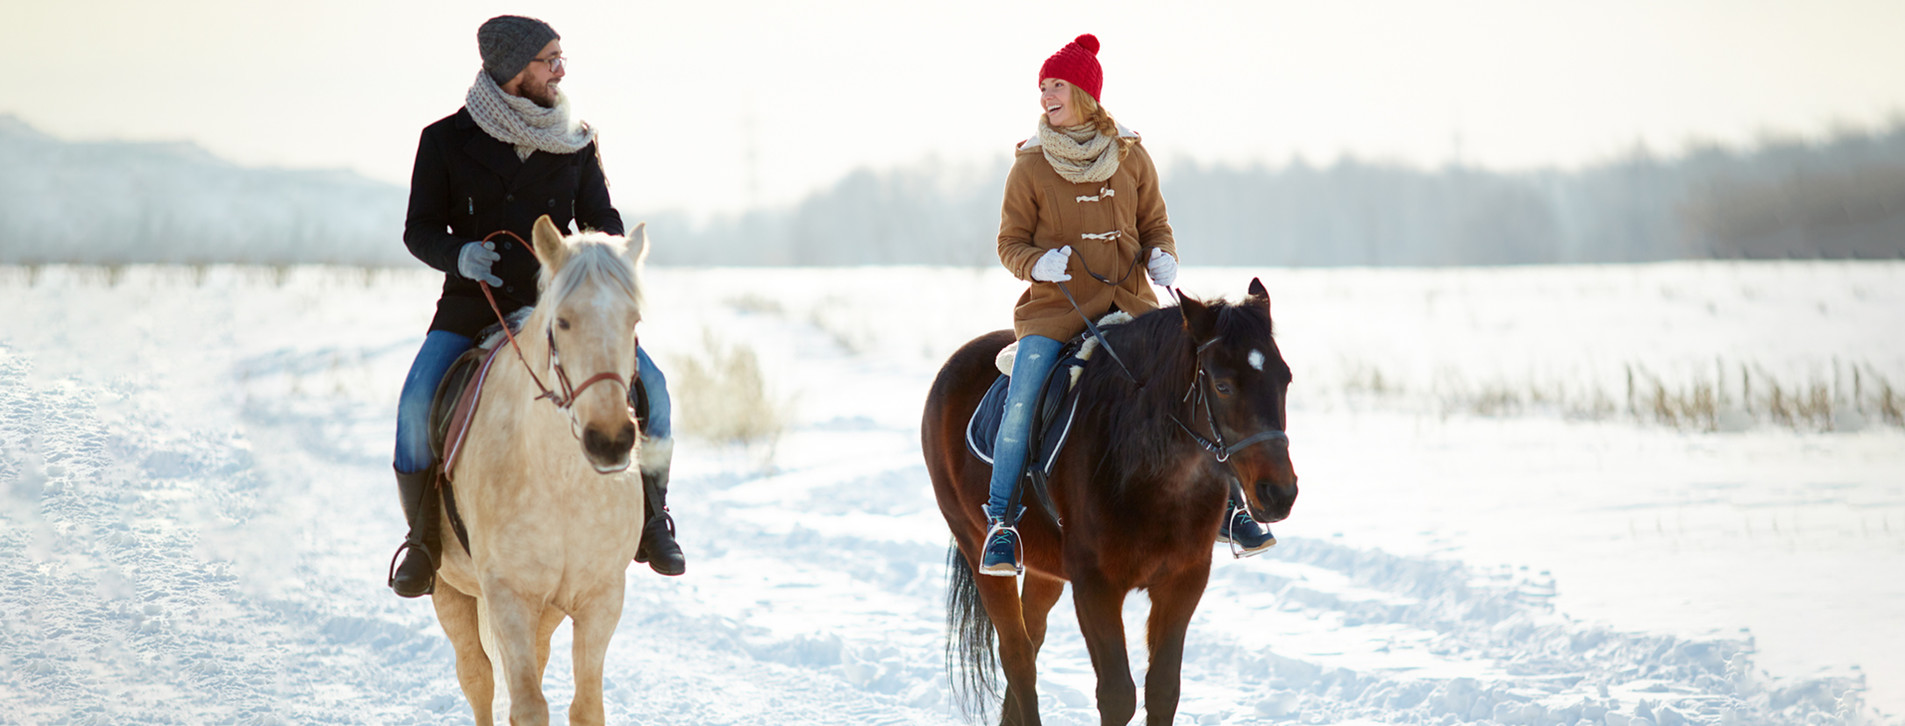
<point>1082,193</point>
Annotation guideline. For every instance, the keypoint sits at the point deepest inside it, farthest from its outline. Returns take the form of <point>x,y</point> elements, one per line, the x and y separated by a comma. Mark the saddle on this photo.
<point>454,404</point>
<point>1057,405</point>
<point>1055,409</point>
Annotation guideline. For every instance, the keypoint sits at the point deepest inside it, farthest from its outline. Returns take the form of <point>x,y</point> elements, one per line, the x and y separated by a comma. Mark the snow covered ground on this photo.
<point>196,508</point>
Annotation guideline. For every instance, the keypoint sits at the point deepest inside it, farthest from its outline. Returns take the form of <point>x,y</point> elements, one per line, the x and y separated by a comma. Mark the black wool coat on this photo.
<point>467,184</point>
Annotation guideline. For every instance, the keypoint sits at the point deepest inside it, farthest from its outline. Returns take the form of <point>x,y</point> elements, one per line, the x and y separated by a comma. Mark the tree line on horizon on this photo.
<point>1841,197</point>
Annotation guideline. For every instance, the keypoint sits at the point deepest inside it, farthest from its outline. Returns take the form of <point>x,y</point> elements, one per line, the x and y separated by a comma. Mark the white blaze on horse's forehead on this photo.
<point>606,302</point>
<point>1256,359</point>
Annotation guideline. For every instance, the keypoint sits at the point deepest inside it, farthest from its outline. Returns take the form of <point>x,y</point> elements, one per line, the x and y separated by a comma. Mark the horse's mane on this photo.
<point>1140,437</point>
<point>593,256</point>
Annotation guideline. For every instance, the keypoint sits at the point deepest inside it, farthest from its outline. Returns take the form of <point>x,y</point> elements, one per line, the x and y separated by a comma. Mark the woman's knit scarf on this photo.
<point>521,123</point>
<point>1079,153</point>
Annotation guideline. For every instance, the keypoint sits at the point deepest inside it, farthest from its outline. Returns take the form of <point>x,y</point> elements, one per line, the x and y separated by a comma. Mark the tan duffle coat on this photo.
<point>1111,227</point>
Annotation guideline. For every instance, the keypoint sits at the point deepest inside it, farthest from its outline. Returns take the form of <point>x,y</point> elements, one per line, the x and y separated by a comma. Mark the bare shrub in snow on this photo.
<point>721,395</point>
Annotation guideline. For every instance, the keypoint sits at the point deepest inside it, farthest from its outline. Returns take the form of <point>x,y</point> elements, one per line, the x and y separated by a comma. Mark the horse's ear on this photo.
<point>546,240</point>
<point>638,243</point>
<point>1198,320</point>
<point>1259,295</point>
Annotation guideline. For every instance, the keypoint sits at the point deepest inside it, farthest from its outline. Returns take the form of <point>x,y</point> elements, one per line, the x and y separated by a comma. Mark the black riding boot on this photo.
<point>417,574</point>
<point>658,547</point>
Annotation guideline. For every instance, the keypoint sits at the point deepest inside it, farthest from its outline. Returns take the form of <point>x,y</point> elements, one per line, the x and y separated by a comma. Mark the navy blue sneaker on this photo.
<point>1244,535</point>
<point>1001,556</point>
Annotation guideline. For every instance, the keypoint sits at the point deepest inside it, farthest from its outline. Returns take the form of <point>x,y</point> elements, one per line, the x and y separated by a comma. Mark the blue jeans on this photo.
<point>656,421</point>
<point>1036,358</point>
<point>440,349</point>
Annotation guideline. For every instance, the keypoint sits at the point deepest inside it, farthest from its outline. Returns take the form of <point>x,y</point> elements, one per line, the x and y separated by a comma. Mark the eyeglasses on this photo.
<point>555,63</point>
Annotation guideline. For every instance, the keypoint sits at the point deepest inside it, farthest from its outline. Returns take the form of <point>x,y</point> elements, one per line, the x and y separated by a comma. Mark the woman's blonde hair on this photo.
<point>1097,116</point>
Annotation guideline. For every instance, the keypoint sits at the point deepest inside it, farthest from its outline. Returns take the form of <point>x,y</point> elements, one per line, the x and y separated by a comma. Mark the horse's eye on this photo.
<point>1224,388</point>
<point>562,323</point>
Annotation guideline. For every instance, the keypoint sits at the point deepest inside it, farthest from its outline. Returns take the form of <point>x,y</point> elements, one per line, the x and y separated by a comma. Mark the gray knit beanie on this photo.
<point>508,42</point>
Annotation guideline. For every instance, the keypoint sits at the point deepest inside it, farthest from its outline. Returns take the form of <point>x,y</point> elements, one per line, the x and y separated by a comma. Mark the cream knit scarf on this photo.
<point>1079,153</point>
<point>521,123</point>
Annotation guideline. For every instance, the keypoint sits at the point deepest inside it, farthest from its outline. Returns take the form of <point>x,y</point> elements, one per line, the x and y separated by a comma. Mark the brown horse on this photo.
<point>1140,490</point>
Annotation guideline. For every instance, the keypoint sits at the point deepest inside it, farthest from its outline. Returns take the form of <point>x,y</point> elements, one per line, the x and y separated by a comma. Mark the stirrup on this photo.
<point>1012,568</point>
<point>1237,549</point>
<point>658,547</point>
<point>391,577</point>
<point>667,524</point>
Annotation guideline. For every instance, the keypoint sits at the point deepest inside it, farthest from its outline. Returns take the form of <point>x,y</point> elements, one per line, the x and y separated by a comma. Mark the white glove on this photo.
<point>474,261</point>
<point>1051,266</point>
<point>1163,267</point>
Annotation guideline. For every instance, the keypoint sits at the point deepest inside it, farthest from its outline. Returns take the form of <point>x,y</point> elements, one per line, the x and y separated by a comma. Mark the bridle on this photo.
<point>1200,385</point>
<point>564,401</point>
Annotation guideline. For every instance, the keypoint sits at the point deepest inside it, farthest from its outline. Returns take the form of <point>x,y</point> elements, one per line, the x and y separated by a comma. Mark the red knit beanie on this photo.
<point>1077,64</point>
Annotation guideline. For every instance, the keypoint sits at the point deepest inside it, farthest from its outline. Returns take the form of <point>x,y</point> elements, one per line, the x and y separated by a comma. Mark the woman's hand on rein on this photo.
<point>1051,266</point>
<point>1162,266</point>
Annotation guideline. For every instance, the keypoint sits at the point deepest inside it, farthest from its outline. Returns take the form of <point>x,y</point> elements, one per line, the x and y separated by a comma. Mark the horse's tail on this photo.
<point>972,663</point>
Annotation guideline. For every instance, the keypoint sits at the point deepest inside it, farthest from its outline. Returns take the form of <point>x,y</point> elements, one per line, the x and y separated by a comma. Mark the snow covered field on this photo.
<point>196,506</point>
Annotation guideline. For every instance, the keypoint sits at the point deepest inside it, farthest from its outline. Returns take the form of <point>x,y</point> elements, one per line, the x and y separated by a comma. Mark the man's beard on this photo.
<point>544,95</point>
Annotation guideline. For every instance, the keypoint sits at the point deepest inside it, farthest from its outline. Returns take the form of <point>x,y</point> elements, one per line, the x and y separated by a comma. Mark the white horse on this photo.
<point>547,492</point>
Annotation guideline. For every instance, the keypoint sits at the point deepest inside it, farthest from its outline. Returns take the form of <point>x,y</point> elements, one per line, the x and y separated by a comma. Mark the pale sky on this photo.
<point>708,106</point>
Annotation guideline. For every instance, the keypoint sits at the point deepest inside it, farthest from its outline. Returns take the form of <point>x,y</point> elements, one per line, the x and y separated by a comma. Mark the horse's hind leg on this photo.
<point>1101,618</point>
<point>1172,605</point>
<point>1035,604</point>
<point>1017,655</point>
<point>456,612</point>
<point>1038,596</point>
<point>594,626</point>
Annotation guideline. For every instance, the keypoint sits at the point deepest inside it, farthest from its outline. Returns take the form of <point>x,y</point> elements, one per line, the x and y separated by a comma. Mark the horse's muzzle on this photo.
<point>609,452</point>
<point>1275,499</point>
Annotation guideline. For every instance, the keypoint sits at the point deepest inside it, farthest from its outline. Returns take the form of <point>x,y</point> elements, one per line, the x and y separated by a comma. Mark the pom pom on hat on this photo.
<point>1077,64</point>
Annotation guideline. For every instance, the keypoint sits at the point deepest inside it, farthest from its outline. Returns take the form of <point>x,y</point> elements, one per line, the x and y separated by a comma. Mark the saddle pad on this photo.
<point>455,405</point>
<point>1051,421</point>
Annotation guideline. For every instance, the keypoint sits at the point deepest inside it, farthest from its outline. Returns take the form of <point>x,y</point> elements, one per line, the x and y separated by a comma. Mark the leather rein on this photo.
<point>566,398</point>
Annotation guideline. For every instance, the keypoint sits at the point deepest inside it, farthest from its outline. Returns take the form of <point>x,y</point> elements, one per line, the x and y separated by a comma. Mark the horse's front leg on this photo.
<point>515,620</point>
<point>456,612</point>
<point>594,625</point>
<point>552,617</point>
<point>1172,604</point>
<point>1101,618</point>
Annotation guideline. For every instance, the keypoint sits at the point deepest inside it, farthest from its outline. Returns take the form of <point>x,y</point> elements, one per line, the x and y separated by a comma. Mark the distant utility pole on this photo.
<point>751,153</point>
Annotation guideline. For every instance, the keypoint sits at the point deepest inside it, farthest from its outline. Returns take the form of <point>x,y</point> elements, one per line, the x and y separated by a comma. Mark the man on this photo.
<point>510,155</point>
